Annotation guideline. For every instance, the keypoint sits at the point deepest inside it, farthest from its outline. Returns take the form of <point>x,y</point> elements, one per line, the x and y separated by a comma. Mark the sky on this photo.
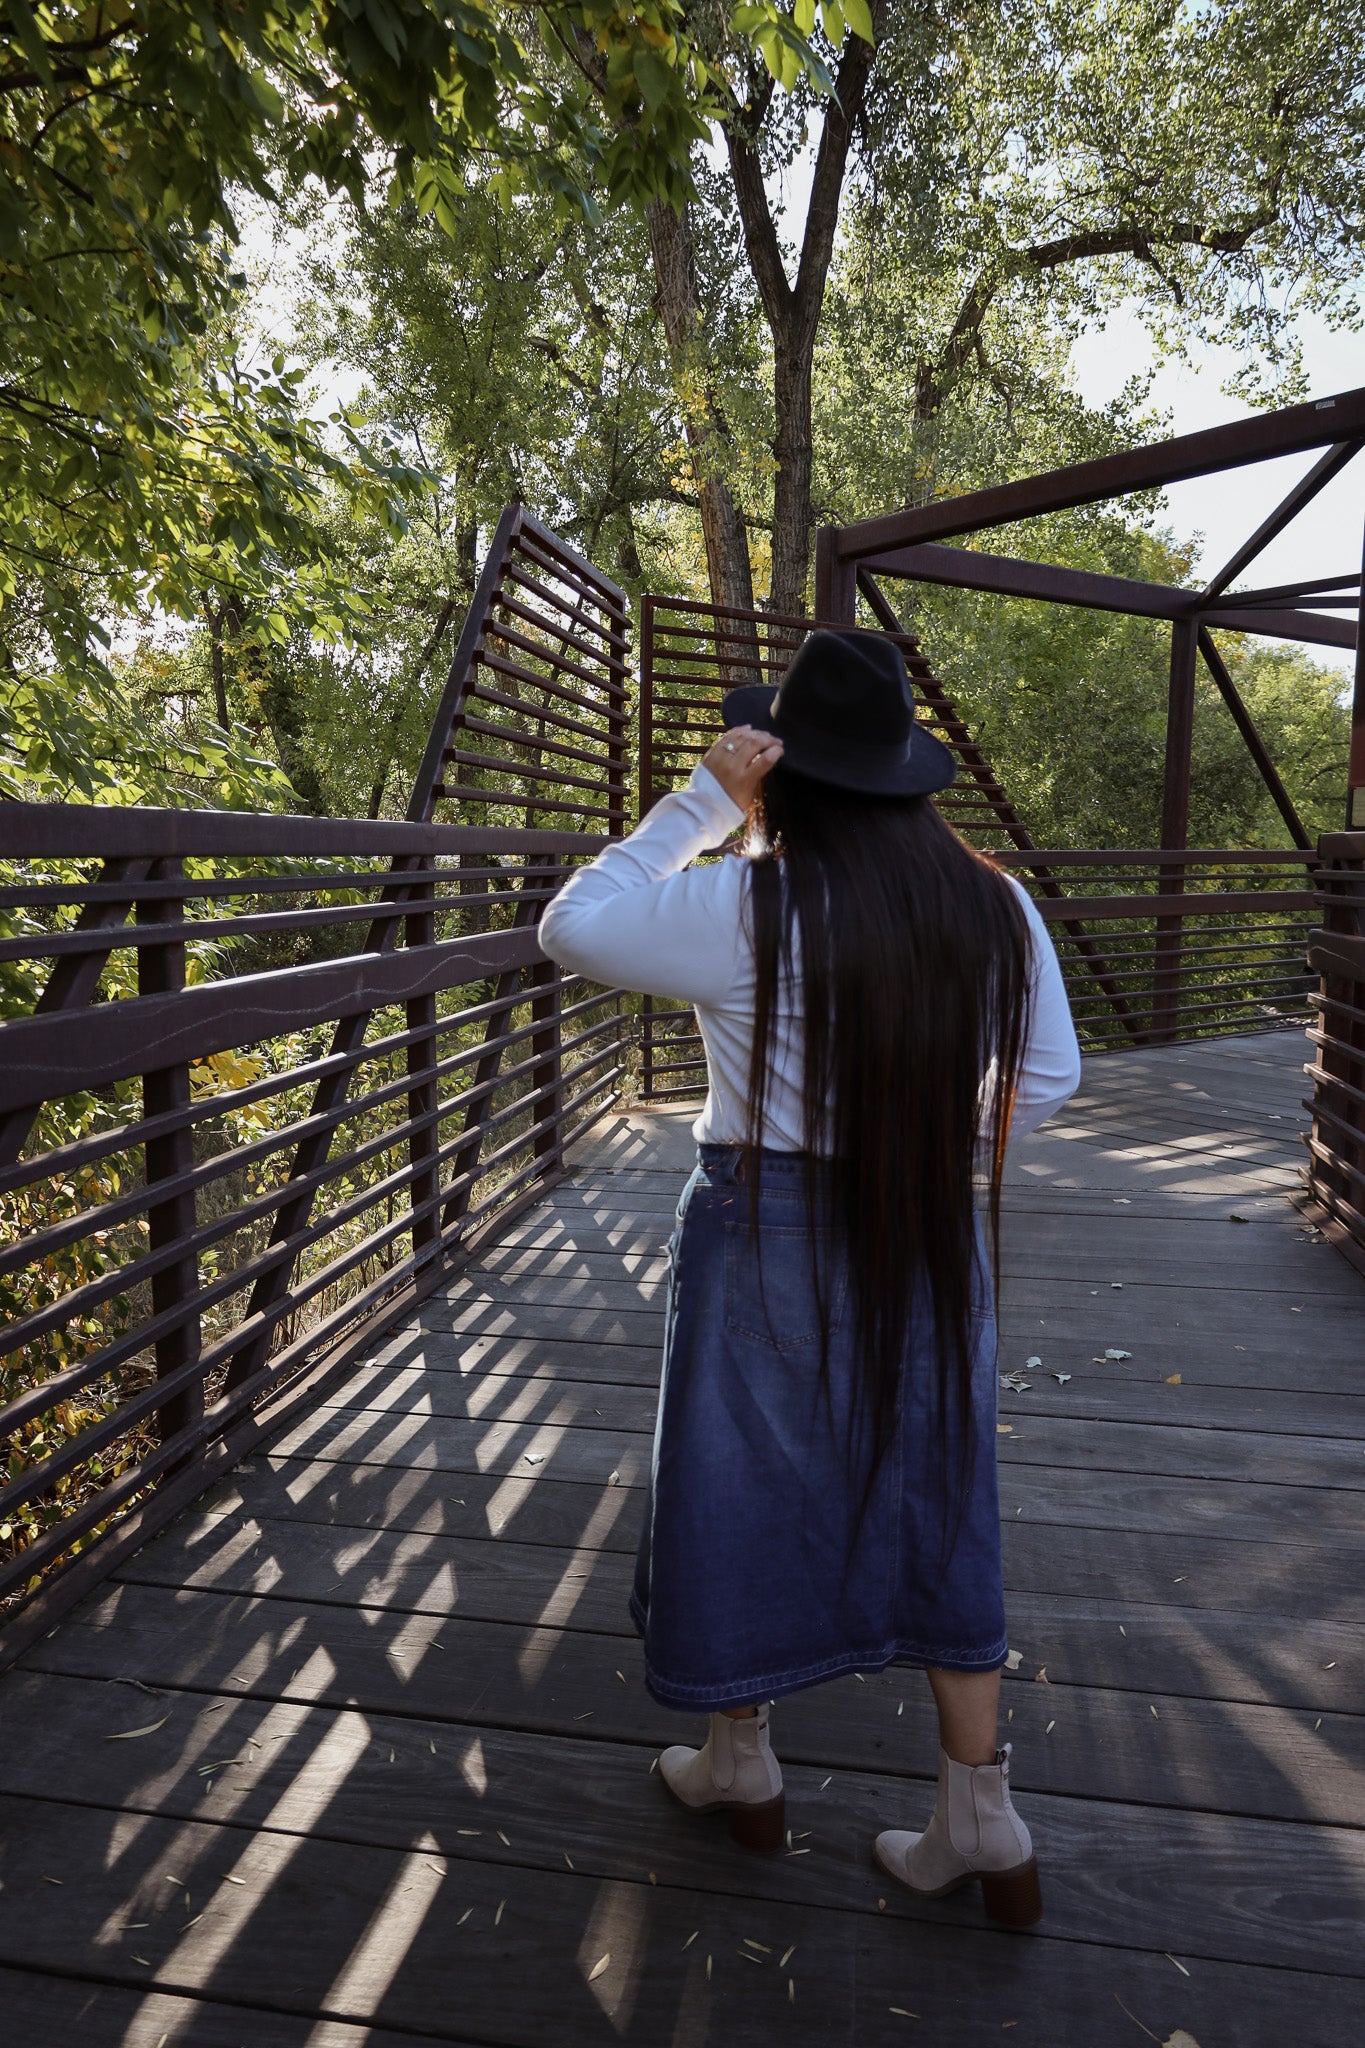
<point>1326,538</point>
<point>1221,510</point>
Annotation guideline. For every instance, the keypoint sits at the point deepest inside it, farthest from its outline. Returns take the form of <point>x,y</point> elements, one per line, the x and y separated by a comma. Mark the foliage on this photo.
<point>1023,170</point>
<point>107,743</point>
<point>1070,708</point>
<point>135,444</point>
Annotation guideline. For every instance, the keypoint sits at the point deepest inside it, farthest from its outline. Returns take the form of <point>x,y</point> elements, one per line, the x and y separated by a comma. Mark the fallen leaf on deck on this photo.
<point>534,1457</point>
<point>1173,1379</point>
<point>1180,2039</point>
<point>1234,1217</point>
<point>1004,1429</point>
<point>128,1734</point>
<point>1061,1378</point>
<point>1013,1660</point>
<point>602,1963</point>
<point>1113,1352</point>
<point>1033,1361</point>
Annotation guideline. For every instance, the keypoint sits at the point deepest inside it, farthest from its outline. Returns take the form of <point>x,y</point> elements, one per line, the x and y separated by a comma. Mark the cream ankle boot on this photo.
<point>975,1834</point>
<point>735,1768</point>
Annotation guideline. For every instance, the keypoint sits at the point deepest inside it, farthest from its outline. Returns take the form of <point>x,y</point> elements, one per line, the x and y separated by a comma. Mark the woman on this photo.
<point>880,1008</point>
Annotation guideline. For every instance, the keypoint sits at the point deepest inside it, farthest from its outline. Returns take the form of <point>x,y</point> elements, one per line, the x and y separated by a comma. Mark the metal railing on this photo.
<point>265,1080</point>
<point>691,653</point>
<point>1335,1174</point>
<point>1241,921</point>
<point>295,1086</point>
<point>1155,946</point>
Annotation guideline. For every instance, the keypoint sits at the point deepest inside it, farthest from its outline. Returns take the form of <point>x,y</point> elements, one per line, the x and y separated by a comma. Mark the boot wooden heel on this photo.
<point>760,1827</point>
<point>1013,1897</point>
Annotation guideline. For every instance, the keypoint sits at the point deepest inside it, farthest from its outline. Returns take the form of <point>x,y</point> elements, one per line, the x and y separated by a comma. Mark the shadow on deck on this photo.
<point>358,1752</point>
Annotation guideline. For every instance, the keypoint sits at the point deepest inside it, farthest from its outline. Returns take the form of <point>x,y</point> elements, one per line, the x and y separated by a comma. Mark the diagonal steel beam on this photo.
<point>1258,439</point>
<point>1014,825</point>
<point>1256,746</point>
<point>1289,507</point>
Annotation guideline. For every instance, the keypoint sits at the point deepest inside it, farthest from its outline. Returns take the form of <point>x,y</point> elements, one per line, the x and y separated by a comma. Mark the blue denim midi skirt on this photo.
<point>754,1576</point>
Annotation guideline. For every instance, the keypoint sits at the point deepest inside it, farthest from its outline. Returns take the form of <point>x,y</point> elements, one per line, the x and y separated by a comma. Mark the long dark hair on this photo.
<point>910,970</point>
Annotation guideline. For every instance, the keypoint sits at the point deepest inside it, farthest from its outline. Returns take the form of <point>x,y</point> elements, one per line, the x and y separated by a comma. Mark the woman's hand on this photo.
<point>740,760</point>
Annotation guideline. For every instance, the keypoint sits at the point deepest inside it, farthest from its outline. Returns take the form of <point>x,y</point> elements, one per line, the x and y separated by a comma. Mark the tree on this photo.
<point>1036,164</point>
<point>133,443</point>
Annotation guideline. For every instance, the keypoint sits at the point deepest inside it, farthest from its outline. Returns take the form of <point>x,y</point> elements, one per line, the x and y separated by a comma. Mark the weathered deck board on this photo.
<point>394,1626</point>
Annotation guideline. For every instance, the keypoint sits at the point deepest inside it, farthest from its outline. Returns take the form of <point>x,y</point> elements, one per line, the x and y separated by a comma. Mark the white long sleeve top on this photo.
<point>641,917</point>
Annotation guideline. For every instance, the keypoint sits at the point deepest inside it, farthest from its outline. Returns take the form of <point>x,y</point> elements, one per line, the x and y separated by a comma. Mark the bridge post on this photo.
<point>424,1182</point>
<point>547,1048</point>
<point>1175,826</point>
<point>836,581</point>
<point>1355,773</point>
<point>166,1091</point>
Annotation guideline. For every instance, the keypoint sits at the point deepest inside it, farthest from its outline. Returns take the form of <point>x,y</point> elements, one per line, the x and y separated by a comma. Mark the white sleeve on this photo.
<point>640,918</point>
<point>1050,1070</point>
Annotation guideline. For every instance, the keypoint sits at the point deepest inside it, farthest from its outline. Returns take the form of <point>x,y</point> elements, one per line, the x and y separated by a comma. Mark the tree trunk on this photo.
<point>793,309</point>
<point>216,618</point>
<point>708,433</point>
<point>793,516</point>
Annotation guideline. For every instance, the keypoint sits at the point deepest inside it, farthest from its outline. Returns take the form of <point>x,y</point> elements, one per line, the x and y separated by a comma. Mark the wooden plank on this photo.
<point>495,1397</point>
<point>511,1580</point>
<point>391,1943</point>
<point>42,2008</point>
<point>438,1352</point>
<point>633,1307</point>
<point>230,1642</point>
<point>1263,1359</point>
<point>1126,1391</point>
<point>1157,1308</point>
<point>1261,1762</point>
<point>1278,1412</point>
<point>592,1455</point>
<point>1169,1254</point>
<point>1194,1453</point>
<point>509,1793</point>
<point>552,1511</point>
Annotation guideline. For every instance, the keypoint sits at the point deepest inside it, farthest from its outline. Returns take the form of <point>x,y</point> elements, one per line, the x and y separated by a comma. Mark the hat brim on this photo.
<point>926,765</point>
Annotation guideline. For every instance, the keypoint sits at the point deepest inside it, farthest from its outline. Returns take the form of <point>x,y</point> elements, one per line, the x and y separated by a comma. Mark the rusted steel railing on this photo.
<point>1335,1174</point>
<point>322,1055</point>
<point>264,1080</point>
<point>532,725</point>
<point>1244,919</point>
<point>1155,946</point>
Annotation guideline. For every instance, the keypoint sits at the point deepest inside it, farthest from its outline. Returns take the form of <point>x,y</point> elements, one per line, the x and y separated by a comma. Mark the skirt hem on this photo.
<point>746,1691</point>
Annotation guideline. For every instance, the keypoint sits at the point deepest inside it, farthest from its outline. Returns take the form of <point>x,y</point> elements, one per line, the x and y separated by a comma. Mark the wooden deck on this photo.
<point>387,1767</point>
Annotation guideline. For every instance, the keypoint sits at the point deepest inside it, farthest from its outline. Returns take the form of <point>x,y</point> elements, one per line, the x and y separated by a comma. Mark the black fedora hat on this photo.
<point>845,714</point>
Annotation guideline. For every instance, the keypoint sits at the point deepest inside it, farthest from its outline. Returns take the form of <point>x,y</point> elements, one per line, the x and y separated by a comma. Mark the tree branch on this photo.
<point>935,381</point>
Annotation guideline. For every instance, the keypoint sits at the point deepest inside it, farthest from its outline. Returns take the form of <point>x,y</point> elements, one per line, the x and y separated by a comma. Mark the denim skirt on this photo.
<point>755,1576</point>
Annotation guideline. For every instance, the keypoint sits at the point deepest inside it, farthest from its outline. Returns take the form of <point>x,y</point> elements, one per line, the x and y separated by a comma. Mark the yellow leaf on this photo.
<point>1173,1379</point>
<point>127,1734</point>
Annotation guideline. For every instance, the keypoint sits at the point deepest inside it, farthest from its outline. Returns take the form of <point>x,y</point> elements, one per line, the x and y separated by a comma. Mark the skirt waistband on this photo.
<point>725,1162</point>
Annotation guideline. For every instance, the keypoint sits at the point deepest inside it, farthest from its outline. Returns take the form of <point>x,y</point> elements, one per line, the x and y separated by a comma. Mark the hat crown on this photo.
<point>848,683</point>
